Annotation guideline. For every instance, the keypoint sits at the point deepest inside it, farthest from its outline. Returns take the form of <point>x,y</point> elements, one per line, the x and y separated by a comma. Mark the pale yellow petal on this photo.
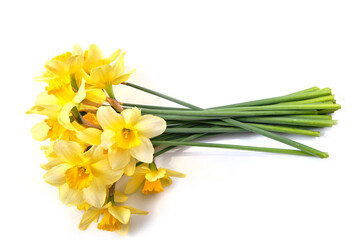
<point>95,95</point>
<point>119,197</point>
<point>173,173</point>
<point>70,196</point>
<point>80,95</point>
<point>101,76</point>
<point>52,163</point>
<point>56,175</point>
<point>136,211</point>
<point>120,213</point>
<point>108,139</point>
<point>150,126</point>
<point>94,154</point>
<point>74,64</point>
<point>118,157</point>
<point>143,152</point>
<point>134,183</point>
<point>123,78</point>
<point>64,115</point>
<point>130,168</point>
<point>103,171</point>
<point>77,50</point>
<point>89,216</point>
<point>94,54</point>
<point>124,229</point>
<point>68,151</point>
<point>108,118</point>
<point>131,116</point>
<point>166,181</point>
<point>119,66</point>
<point>114,56</point>
<point>40,131</point>
<point>95,194</point>
<point>91,136</point>
<point>55,66</point>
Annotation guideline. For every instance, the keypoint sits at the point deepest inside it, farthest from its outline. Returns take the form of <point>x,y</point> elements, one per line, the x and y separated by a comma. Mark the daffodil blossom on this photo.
<point>154,181</point>
<point>105,76</point>
<point>128,135</point>
<point>80,176</point>
<point>115,218</point>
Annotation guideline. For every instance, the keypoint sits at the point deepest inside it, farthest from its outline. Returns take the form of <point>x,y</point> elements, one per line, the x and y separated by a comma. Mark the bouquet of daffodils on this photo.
<point>94,139</point>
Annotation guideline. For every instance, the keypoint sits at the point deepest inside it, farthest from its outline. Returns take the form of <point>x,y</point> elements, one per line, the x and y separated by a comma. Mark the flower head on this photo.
<point>128,134</point>
<point>80,176</point>
<point>153,179</point>
<point>114,218</point>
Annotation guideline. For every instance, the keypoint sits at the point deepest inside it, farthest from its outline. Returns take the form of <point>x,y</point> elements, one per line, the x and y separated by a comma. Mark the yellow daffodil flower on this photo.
<point>114,218</point>
<point>93,57</point>
<point>81,176</point>
<point>128,134</point>
<point>105,76</point>
<point>154,179</point>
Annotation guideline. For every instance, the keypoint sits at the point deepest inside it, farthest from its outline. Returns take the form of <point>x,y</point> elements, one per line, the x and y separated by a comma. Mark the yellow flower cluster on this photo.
<point>92,145</point>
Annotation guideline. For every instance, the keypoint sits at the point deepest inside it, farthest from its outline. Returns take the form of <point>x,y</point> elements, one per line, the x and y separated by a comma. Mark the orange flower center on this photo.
<point>109,223</point>
<point>56,129</point>
<point>91,118</point>
<point>78,177</point>
<point>127,138</point>
<point>152,187</point>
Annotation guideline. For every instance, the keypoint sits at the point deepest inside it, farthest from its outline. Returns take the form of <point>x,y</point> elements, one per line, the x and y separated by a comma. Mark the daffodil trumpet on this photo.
<point>94,140</point>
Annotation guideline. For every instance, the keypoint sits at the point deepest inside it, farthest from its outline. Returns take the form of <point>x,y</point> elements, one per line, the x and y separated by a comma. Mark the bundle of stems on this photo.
<point>296,113</point>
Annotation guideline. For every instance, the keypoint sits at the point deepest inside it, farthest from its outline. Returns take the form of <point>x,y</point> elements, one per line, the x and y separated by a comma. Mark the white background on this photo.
<point>208,53</point>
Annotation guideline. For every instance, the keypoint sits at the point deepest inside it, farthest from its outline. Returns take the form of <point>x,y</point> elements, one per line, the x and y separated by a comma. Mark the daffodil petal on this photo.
<point>134,183</point>
<point>40,131</point>
<point>150,126</point>
<point>95,194</point>
<point>136,211</point>
<point>94,154</point>
<point>131,116</point>
<point>101,76</point>
<point>143,152</point>
<point>173,173</point>
<point>123,78</point>
<point>94,54</point>
<point>95,95</point>
<point>166,181</point>
<point>77,50</point>
<point>68,151</point>
<point>130,168</point>
<point>109,118</point>
<point>124,229</point>
<point>118,157</point>
<point>119,66</point>
<point>103,170</point>
<point>64,115</point>
<point>81,93</point>
<point>70,196</point>
<point>119,197</point>
<point>114,56</point>
<point>89,216</point>
<point>56,175</point>
<point>120,213</point>
<point>91,136</point>
<point>55,66</point>
<point>107,139</point>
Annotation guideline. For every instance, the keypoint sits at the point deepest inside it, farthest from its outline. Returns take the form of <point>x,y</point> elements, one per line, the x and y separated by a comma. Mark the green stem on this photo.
<point>110,91</point>
<point>291,121</point>
<point>76,114</point>
<point>248,127</point>
<point>228,146</point>
<point>286,98</point>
